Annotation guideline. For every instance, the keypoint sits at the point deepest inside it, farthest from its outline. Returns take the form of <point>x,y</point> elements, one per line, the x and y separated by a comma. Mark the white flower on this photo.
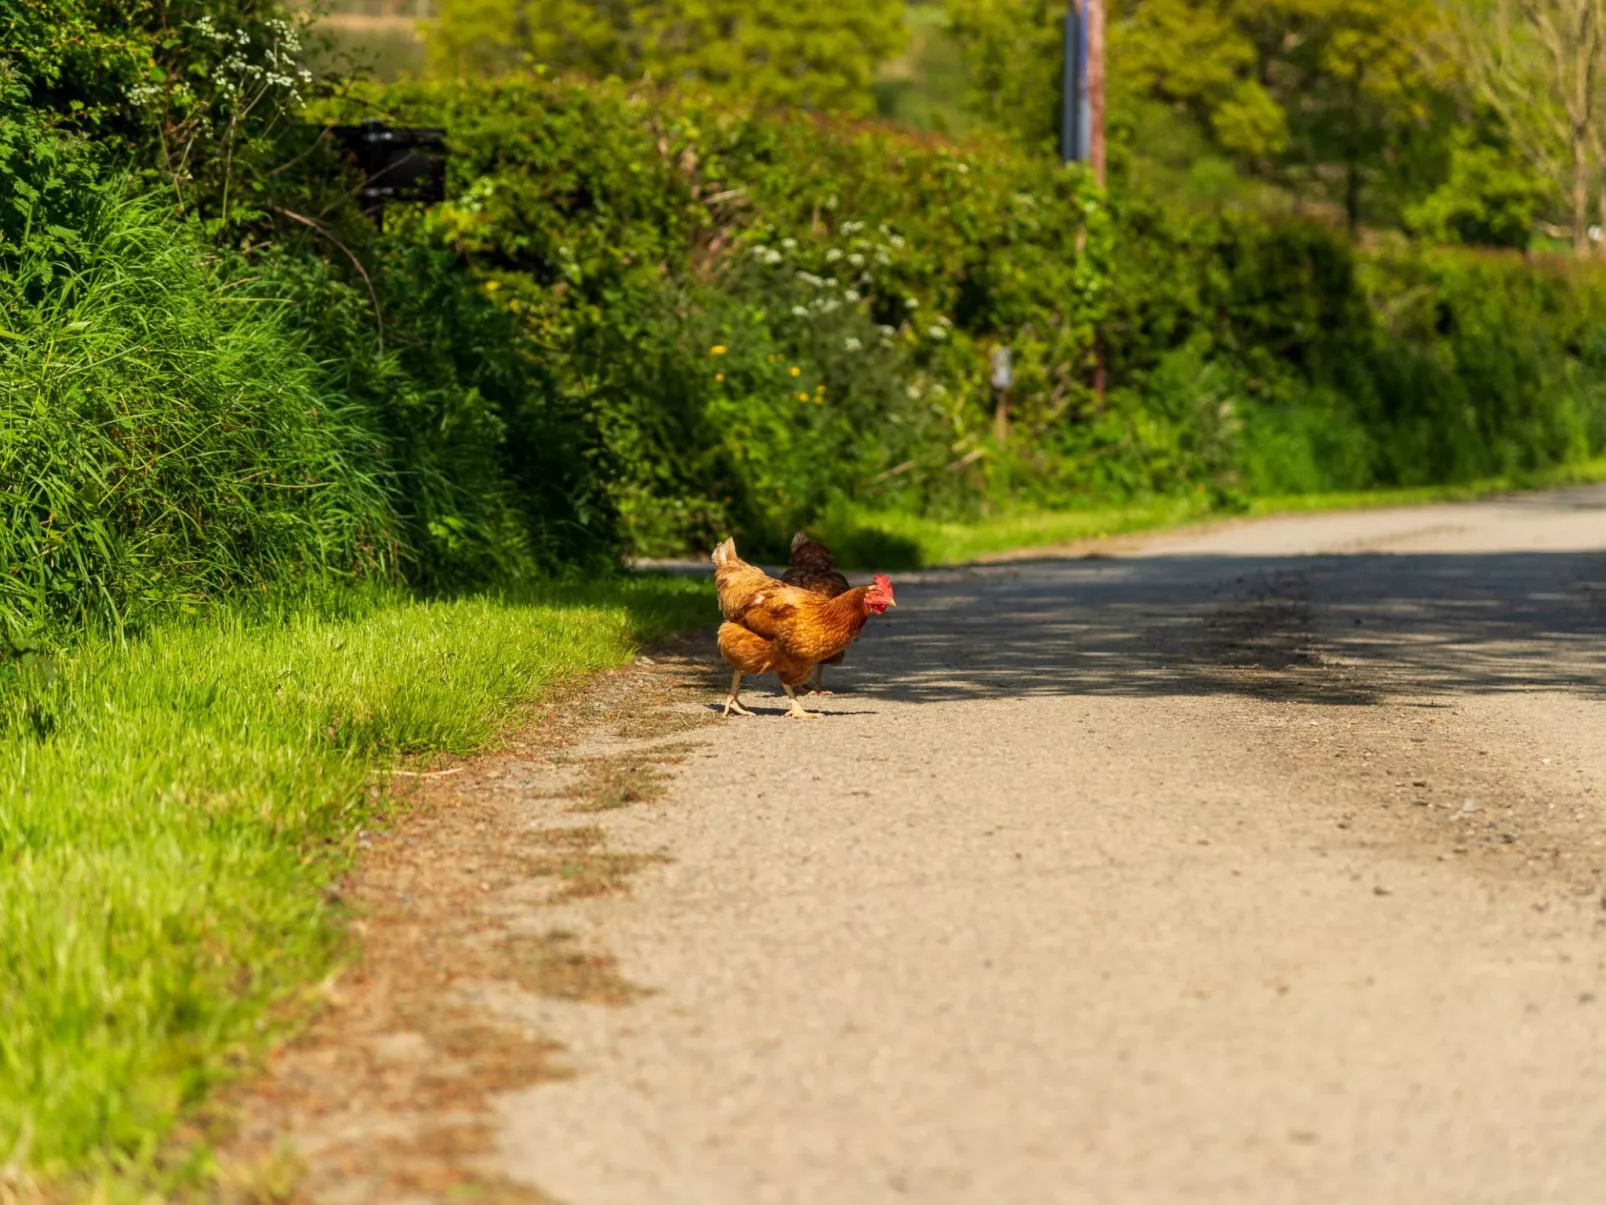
<point>913,391</point>
<point>799,312</point>
<point>963,169</point>
<point>834,254</point>
<point>828,306</point>
<point>910,303</point>
<point>897,240</point>
<point>852,227</point>
<point>851,296</point>
<point>789,243</point>
<point>945,320</point>
<point>852,344</point>
<point>937,332</point>
<point>772,257</point>
<point>856,260</point>
<point>882,258</point>
<point>888,331</point>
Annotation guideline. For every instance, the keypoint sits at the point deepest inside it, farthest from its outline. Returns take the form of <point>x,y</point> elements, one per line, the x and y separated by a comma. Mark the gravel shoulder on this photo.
<point>1257,864</point>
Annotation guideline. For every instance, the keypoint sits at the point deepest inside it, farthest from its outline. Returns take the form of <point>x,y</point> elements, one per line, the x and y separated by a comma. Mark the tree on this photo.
<point>1540,65</point>
<point>1326,98</point>
<point>485,37</point>
<point>1489,198</point>
<point>812,54</point>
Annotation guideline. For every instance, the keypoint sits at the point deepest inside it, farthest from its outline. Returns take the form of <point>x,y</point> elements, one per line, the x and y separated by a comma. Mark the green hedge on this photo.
<point>630,231</point>
<point>647,319</point>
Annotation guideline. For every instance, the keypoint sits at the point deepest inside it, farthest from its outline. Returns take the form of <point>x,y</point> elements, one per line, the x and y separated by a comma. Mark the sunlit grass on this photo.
<point>887,540</point>
<point>172,811</point>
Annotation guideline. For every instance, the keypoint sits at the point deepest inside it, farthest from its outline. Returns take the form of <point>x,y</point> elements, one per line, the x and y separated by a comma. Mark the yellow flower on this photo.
<point>802,397</point>
<point>795,371</point>
<point>719,376</point>
<point>819,389</point>
<point>492,286</point>
<point>717,350</point>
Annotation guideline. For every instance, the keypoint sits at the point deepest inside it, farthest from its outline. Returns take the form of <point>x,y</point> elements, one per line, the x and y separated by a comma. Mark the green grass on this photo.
<point>172,811</point>
<point>882,540</point>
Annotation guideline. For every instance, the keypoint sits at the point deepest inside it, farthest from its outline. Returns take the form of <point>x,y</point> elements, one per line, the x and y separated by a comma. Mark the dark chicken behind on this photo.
<point>811,567</point>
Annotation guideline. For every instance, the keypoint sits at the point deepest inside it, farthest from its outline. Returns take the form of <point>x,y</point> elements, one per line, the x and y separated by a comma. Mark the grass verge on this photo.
<point>174,813</point>
<point>880,540</point>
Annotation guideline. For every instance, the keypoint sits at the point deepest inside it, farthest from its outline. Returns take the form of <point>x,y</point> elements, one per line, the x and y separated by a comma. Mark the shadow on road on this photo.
<point>1327,629</point>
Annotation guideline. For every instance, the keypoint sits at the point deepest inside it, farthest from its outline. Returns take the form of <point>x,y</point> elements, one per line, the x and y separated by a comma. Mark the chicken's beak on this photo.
<point>892,602</point>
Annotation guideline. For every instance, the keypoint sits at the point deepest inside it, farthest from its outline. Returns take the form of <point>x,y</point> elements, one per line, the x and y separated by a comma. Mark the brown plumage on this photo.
<point>771,627</point>
<point>811,567</point>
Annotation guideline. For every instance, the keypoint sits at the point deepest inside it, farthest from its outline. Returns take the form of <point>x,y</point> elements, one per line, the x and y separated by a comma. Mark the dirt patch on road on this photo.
<point>386,1095</point>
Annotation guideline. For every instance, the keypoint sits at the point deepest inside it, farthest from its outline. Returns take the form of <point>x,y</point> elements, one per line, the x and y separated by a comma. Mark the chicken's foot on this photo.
<point>733,705</point>
<point>819,674</point>
<point>797,711</point>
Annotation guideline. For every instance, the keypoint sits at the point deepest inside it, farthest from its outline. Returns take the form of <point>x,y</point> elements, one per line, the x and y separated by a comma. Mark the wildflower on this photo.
<point>852,344</point>
<point>717,350</point>
<point>799,311</point>
<point>719,376</point>
<point>834,254</point>
<point>856,260</point>
<point>910,303</point>
<point>794,371</point>
<point>851,296</point>
<point>789,243</point>
<point>882,258</point>
<point>913,391</point>
<point>963,169</point>
<point>819,389</point>
<point>802,397</point>
<point>492,286</point>
<point>897,240</point>
<point>887,332</point>
<point>937,332</point>
<point>773,257</point>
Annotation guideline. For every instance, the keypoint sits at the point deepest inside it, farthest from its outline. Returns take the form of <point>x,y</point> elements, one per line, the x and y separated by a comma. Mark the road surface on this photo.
<point>1257,864</point>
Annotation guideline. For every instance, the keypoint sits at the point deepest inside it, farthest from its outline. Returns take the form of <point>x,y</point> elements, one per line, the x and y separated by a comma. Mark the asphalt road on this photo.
<point>1261,864</point>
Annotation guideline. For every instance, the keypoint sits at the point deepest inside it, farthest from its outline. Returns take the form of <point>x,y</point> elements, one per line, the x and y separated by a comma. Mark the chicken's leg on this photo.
<point>797,710</point>
<point>819,673</point>
<point>733,705</point>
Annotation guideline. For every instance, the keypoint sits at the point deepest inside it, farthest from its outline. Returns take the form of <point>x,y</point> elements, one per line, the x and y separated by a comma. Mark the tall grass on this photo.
<point>171,811</point>
<point>164,437</point>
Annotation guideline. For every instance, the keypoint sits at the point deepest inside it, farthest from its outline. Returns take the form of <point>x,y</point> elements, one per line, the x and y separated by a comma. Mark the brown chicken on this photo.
<point>771,627</point>
<point>811,567</point>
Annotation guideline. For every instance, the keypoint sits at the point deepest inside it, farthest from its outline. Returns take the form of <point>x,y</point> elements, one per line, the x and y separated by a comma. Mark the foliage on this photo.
<point>631,231</point>
<point>1538,64</point>
<point>812,56</point>
<point>1326,98</point>
<point>173,811</point>
<point>1486,200</point>
<point>163,436</point>
<point>200,93</point>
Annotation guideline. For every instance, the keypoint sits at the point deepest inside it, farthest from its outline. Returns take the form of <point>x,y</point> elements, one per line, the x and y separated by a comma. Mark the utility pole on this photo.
<point>1082,87</point>
<point>1093,17</point>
